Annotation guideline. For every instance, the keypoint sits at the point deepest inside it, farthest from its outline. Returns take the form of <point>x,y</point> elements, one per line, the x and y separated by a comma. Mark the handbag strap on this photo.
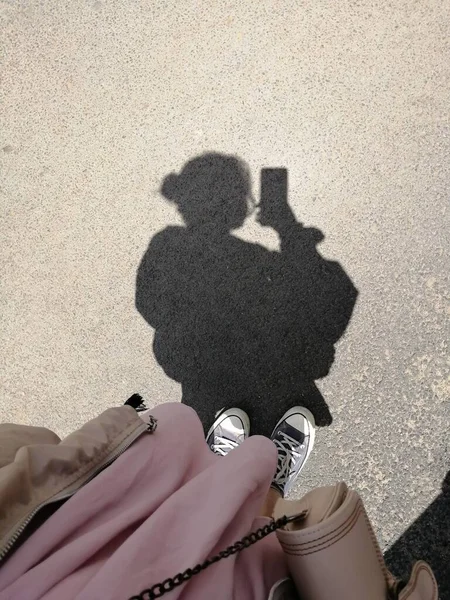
<point>159,589</point>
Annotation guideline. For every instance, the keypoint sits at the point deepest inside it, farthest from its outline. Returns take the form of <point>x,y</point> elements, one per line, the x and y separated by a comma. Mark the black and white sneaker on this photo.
<point>294,438</point>
<point>229,430</point>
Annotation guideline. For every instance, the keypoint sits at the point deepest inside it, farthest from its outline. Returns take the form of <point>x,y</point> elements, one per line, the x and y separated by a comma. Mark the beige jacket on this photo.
<point>38,470</point>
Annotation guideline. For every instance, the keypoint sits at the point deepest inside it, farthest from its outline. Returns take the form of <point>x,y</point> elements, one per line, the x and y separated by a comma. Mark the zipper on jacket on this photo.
<point>65,495</point>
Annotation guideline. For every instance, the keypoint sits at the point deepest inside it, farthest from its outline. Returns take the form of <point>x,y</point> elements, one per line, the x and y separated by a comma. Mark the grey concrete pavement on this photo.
<point>101,100</point>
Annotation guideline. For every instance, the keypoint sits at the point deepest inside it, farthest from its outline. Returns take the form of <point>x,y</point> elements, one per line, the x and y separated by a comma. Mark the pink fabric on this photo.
<point>165,505</point>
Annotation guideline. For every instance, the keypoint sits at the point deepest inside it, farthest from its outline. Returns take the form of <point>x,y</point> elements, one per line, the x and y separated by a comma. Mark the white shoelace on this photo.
<point>288,456</point>
<point>223,445</point>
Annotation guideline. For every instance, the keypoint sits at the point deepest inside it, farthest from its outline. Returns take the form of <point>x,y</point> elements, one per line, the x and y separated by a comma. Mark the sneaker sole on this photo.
<point>232,412</point>
<point>312,422</point>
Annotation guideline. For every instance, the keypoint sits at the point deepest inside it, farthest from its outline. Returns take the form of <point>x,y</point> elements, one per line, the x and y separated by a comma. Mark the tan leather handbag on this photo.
<point>331,551</point>
<point>333,554</point>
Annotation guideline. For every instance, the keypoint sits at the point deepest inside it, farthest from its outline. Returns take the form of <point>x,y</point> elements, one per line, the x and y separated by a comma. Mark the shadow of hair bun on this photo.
<point>170,187</point>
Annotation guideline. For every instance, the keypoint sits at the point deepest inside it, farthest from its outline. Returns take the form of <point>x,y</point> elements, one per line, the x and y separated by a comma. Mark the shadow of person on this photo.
<point>428,538</point>
<point>236,324</point>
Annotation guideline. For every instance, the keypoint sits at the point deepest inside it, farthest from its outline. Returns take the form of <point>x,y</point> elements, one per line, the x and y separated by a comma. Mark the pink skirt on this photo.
<point>165,505</point>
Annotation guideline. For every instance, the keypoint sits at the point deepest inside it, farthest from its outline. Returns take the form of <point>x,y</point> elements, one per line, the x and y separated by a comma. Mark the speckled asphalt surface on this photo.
<point>101,100</point>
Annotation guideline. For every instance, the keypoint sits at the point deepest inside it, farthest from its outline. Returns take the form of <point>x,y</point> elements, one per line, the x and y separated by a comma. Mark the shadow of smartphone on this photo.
<point>274,194</point>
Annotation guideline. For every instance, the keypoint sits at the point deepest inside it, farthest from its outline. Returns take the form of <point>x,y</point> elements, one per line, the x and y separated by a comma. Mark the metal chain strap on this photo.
<point>158,590</point>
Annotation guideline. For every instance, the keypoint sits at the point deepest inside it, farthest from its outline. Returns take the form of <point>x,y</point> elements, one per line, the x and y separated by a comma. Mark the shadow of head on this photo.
<point>212,190</point>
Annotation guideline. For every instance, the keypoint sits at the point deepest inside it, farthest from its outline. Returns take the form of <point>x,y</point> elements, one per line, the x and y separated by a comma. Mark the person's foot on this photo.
<point>229,430</point>
<point>294,438</point>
